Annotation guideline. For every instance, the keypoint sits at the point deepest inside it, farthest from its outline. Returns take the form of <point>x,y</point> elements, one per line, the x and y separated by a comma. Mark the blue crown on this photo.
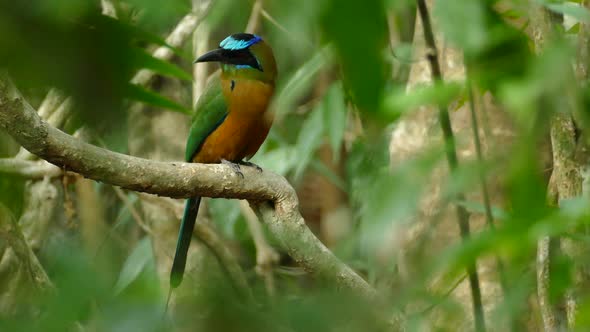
<point>239,41</point>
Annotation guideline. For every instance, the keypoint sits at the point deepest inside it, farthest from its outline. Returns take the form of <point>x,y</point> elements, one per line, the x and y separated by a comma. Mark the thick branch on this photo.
<point>178,179</point>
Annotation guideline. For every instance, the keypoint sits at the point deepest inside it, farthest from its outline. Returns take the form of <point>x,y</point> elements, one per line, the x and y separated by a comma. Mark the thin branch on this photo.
<point>179,35</point>
<point>254,19</point>
<point>176,179</point>
<point>200,46</point>
<point>11,233</point>
<point>51,102</point>
<point>451,153</point>
<point>29,169</point>
<point>208,235</point>
<point>266,256</point>
<point>482,180</point>
<point>134,213</point>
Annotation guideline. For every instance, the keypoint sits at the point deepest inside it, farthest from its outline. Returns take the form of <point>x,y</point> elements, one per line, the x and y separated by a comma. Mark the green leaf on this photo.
<point>300,82</point>
<point>329,174</point>
<point>358,30</point>
<point>225,213</point>
<point>400,101</point>
<point>134,264</point>
<point>578,12</point>
<point>472,34</point>
<point>310,138</point>
<point>575,29</point>
<point>140,34</point>
<point>142,59</point>
<point>335,112</point>
<point>141,94</point>
<point>280,160</point>
<point>476,207</point>
<point>494,51</point>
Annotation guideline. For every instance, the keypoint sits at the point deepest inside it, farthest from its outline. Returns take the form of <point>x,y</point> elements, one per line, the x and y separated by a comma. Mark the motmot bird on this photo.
<point>231,119</point>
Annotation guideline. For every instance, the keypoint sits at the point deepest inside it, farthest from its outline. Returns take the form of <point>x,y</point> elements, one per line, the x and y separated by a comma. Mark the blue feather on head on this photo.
<point>239,41</point>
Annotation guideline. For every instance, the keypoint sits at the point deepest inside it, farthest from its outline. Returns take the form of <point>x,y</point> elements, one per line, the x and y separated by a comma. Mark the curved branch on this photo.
<point>178,179</point>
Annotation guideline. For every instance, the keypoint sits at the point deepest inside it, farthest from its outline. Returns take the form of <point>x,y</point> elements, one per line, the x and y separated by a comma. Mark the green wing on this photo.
<point>210,111</point>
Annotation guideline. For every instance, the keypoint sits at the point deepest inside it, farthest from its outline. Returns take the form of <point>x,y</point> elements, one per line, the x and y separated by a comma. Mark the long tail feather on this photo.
<point>191,210</point>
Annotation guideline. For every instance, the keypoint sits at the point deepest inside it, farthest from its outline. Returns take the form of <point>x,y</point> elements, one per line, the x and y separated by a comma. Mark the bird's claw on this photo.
<point>251,164</point>
<point>234,166</point>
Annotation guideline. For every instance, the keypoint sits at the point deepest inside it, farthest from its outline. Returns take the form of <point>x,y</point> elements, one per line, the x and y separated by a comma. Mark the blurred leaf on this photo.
<point>335,112</point>
<point>154,16</point>
<point>494,50</point>
<point>578,12</point>
<point>310,138</point>
<point>300,82</point>
<point>477,207</point>
<point>280,160</point>
<point>225,213</point>
<point>139,34</point>
<point>139,93</point>
<point>358,30</point>
<point>400,101</point>
<point>473,34</point>
<point>134,264</point>
<point>323,170</point>
<point>143,59</point>
<point>545,76</point>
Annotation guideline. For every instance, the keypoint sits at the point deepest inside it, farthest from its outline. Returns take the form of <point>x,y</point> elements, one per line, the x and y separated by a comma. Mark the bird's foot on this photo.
<point>251,164</point>
<point>234,166</point>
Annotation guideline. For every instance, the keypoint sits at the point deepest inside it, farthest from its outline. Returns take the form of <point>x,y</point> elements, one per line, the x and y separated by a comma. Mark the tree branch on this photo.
<point>11,233</point>
<point>177,179</point>
<point>451,153</point>
<point>181,33</point>
<point>28,169</point>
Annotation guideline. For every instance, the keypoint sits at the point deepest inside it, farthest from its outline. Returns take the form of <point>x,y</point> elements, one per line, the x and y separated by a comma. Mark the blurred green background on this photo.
<point>356,132</point>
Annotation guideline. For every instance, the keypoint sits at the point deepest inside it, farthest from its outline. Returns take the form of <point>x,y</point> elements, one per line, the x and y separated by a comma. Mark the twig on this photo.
<point>271,19</point>
<point>209,236</point>
<point>253,21</point>
<point>59,117</point>
<point>266,256</point>
<point>200,46</point>
<point>11,233</point>
<point>51,102</point>
<point>482,180</point>
<point>179,35</point>
<point>172,205</point>
<point>134,213</point>
<point>29,169</point>
<point>445,122</point>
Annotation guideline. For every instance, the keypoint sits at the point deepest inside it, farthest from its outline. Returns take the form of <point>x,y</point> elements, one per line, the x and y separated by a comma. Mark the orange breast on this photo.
<point>246,125</point>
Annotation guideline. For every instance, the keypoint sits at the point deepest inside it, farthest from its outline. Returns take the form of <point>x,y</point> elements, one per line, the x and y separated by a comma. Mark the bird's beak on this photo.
<point>212,56</point>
